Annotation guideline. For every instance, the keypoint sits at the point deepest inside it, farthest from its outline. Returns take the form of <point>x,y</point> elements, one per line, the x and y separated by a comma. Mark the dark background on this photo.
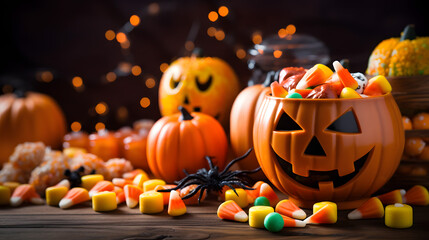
<point>67,39</point>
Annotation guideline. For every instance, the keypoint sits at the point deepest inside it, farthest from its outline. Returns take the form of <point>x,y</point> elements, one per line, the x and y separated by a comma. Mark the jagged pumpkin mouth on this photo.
<point>316,177</point>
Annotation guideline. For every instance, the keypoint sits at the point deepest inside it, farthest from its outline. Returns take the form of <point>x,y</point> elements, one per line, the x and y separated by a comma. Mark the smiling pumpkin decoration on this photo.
<point>199,84</point>
<point>340,150</point>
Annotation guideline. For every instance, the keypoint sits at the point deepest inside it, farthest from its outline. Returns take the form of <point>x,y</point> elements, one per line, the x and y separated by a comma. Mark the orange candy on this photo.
<point>290,222</point>
<point>313,77</point>
<point>414,146</point>
<point>120,135</point>
<point>417,195</point>
<point>277,90</point>
<point>345,77</point>
<point>131,175</point>
<point>176,206</point>
<point>327,214</point>
<point>120,195</point>
<point>101,187</point>
<point>253,194</point>
<point>132,194</point>
<point>76,140</point>
<point>373,208</point>
<point>25,192</point>
<point>104,145</point>
<point>289,209</point>
<point>74,196</point>
<point>392,197</point>
<point>407,123</point>
<point>165,195</point>
<point>268,192</point>
<point>121,182</point>
<point>194,199</point>
<point>421,121</point>
<point>230,210</point>
<point>377,86</point>
<point>135,150</point>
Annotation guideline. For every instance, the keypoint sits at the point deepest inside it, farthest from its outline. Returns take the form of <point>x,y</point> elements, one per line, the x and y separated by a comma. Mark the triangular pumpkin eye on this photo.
<point>286,123</point>
<point>346,123</point>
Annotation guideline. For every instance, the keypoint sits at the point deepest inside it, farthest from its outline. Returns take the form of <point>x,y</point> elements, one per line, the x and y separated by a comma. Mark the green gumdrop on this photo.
<point>262,201</point>
<point>274,222</point>
<point>294,95</point>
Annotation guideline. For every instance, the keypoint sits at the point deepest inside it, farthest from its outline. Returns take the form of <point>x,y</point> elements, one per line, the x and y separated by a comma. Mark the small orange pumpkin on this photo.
<point>29,117</point>
<point>199,84</point>
<point>181,141</point>
<point>340,150</point>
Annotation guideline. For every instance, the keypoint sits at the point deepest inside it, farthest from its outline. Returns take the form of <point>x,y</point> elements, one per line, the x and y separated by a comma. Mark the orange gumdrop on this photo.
<point>77,140</point>
<point>421,121</point>
<point>414,146</point>
<point>104,145</point>
<point>277,90</point>
<point>406,121</point>
<point>120,135</point>
<point>135,151</point>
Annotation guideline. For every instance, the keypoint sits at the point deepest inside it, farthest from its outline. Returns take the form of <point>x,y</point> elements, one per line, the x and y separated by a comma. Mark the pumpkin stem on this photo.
<point>409,33</point>
<point>197,52</point>
<point>185,114</point>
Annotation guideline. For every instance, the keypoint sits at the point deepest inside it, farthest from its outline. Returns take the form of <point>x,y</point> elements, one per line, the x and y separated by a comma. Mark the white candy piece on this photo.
<point>362,81</point>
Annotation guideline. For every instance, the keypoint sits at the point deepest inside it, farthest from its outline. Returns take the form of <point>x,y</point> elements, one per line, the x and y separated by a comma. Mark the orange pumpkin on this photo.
<point>340,150</point>
<point>29,118</point>
<point>208,85</point>
<point>181,141</point>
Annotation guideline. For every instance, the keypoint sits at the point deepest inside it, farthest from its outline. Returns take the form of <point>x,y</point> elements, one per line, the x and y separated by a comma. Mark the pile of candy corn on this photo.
<point>321,82</point>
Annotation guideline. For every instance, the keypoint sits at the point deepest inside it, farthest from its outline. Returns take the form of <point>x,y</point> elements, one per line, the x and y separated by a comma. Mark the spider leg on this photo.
<point>232,179</point>
<point>239,172</point>
<point>186,172</point>
<point>190,177</point>
<point>238,183</point>
<point>181,185</point>
<point>201,194</point>
<point>236,160</point>
<point>193,192</point>
<point>209,160</point>
<point>230,186</point>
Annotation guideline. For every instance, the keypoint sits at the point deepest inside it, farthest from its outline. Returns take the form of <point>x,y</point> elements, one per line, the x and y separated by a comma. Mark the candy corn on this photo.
<point>344,75</point>
<point>277,90</point>
<point>151,202</point>
<point>104,201</point>
<point>121,182</point>
<point>140,179</point>
<point>89,181</point>
<point>253,194</point>
<point>64,183</point>
<point>314,76</point>
<point>131,175</point>
<point>377,85</point>
<point>319,205</point>
<point>149,185</point>
<point>290,222</point>
<point>25,192</point>
<point>399,216</point>
<point>54,194</point>
<point>74,196</point>
<point>132,194</point>
<point>11,185</point>
<point>392,197</point>
<point>289,209</point>
<point>101,187</point>
<point>349,93</point>
<point>373,208</point>
<point>4,195</point>
<point>417,195</point>
<point>120,195</point>
<point>165,195</point>
<point>326,214</point>
<point>268,192</point>
<point>239,196</point>
<point>194,199</point>
<point>230,210</point>
<point>335,82</point>
<point>176,206</point>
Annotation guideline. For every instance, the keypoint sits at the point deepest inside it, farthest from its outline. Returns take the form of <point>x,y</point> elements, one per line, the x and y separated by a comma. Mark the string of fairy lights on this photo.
<point>126,68</point>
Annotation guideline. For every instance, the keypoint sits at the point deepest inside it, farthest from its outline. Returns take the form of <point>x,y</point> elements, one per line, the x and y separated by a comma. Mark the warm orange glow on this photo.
<point>189,45</point>
<point>240,53</point>
<point>110,76</point>
<point>136,70</point>
<point>260,51</point>
<point>153,8</point>
<point>150,83</point>
<point>213,16</point>
<point>101,108</point>
<point>7,88</point>
<point>211,31</point>
<point>223,11</point>
<point>125,45</point>
<point>77,82</point>
<point>110,35</point>
<point>256,38</point>
<point>125,67</point>
<point>99,126</point>
<point>220,35</point>
<point>121,37</point>
<point>46,76</point>
<point>277,53</point>
<point>122,114</point>
<point>290,29</point>
<point>144,102</point>
<point>134,20</point>
<point>75,126</point>
<point>282,33</point>
<point>163,67</point>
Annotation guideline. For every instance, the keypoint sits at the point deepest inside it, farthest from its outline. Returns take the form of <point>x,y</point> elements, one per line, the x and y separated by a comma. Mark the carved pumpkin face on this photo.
<point>207,85</point>
<point>329,150</point>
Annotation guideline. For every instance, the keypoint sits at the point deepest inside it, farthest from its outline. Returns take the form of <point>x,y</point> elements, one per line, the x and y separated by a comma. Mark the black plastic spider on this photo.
<point>75,176</point>
<point>212,180</point>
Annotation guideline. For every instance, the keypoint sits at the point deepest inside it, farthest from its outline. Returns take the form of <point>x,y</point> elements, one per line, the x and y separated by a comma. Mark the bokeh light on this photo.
<point>136,70</point>
<point>277,53</point>
<point>256,38</point>
<point>100,126</point>
<point>153,8</point>
<point>223,11</point>
<point>189,45</point>
<point>121,37</point>
<point>101,108</point>
<point>240,53</point>
<point>290,29</point>
<point>77,82</point>
<point>111,76</point>
<point>110,35</point>
<point>211,31</point>
<point>135,20</point>
<point>220,35</point>
<point>122,114</point>
<point>163,67</point>
<point>282,33</point>
<point>45,76</point>
<point>213,16</point>
<point>75,126</point>
<point>145,102</point>
<point>150,82</point>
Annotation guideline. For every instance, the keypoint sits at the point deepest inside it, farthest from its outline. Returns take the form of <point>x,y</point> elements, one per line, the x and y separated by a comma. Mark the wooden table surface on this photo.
<point>200,222</point>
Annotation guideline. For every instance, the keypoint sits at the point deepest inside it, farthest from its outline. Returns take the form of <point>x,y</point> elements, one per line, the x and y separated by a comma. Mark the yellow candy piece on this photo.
<point>377,85</point>
<point>326,212</point>
<point>151,202</point>
<point>4,195</point>
<point>11,185</point>
<point>71,152</point>
<point>151,184</point>
<point>327,72</point>
<point>104,201</point>
<point>140,179</point>
<point>349,93</point>
<point>257,215</point>
<point>89,181</point>
<point>317,206</point>
<point>241,199</point>
<point>55,194</point>
<point>398,216</point>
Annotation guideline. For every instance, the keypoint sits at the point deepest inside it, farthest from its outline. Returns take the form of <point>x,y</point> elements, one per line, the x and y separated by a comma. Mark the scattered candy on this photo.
<point>54,194</point>
<point>322,91</point>
<point>74,196</point>
<point>295,94</point>
<point>274,222</point>
<point>24,192</point>
<point>131,175</point>
<point>377,85</point>
<point>121,182</point>
<point>176,206</point>
<point>290,76</point>
<point>239,196</point>
<point>361,80</point>
<point>132,194</point>
<point>151,202</point>
<point>417,195</point>
<point>104,201</point>
<point>344,75</point>
<point>406,121</point>
<point>253,194</point>
<point>4,195</point>
<point>349,93</point>
<point>399,216</point>
<point>76,140</point>
<point>230,210</point>
<point>373,208</point>
<point>326,214</point>
<point>316,75</point>
<point>290,222</point>
<point>414,146</point>
<point>268,192</point>
<point>194,199</point>
<point>303,92</point>
<point>319,205</point>
<point>117,167</point>
<point>139,179</point>
<point>392,197</point>
<point>165,195</point>
<point>257,215</point>
<point>120,195</point>
<point>71,152</point>
<point>11,185</point>
<point>262,201</point>
<point>421,121</point>
<point>149,185</point>
<point>89,181</point>
<point>277,90</point>
<point>64,183</point>
<point>103,144</point>
<point>101,187</point>
<point>289,209</point>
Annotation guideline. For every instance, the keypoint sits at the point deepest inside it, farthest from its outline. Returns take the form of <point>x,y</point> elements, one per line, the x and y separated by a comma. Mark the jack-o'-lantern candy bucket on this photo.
<point>340,150</point>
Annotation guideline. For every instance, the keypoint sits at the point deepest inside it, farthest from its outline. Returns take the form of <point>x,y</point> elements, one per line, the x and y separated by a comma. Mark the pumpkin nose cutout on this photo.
<point>186,101</point>
<point>314,148</point>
